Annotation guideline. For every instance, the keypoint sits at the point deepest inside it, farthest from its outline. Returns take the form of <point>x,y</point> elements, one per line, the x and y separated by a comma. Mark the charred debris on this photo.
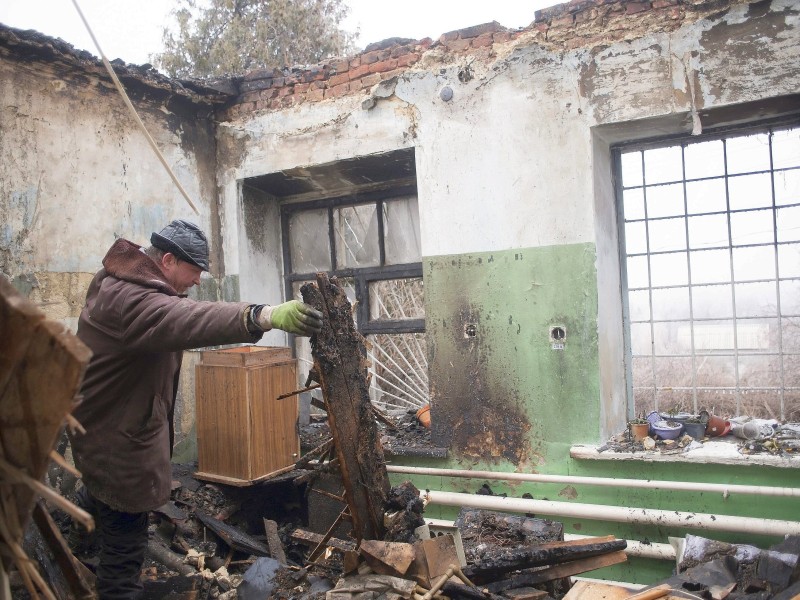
<point>371,540</point>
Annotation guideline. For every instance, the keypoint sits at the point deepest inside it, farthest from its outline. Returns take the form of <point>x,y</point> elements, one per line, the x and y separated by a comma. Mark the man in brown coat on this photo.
<point>137,321</point>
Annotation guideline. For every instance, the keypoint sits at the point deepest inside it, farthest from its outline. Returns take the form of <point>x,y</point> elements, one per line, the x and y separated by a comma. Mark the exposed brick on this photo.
<point>301,88</point>
<point>250,97</point>
<point>370,80</point>
<point>407,60</point>
<point>664,3</point>
<point>285,91</point>
<point>355,62</point>
<point>426,42</point>
<point>318,85</point>
<point>384,65</point>
<point>483,40</point>
<point>478,30</point>
<point>458,45</point>
<point>359,72</point>
<point>287,101</point>
<point>636,7</point>
<point>501,37</point>
<point>256,84</point>
<point>278,81</point>
<point>340,66</point>
<point>390,74</point>
<point>370,57</point>
<point>448,37</point>
<point>565,21</point>
<point>399,51</point>
<point>267,94</point>
<point>275,103</point>
<point>586,15</point>
<point>339,79</point>
<point>315,95</point>
<point>258,74</point>
<point>337,91</point>
<point>263,104</point>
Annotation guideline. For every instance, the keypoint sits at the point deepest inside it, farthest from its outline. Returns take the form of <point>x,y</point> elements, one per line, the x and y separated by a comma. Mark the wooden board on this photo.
<point>246,356</point>
<point>593,590</point>
<point>41,368</point>
<point>244,432</point>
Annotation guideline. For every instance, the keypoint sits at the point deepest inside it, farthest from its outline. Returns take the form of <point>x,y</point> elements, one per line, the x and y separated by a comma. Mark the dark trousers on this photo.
<point>123,541</point>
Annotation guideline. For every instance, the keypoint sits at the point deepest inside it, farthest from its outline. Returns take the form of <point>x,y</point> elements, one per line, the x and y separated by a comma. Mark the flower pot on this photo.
<point>424,416</point>
<point>696,430</point>
<point>716,426</point>
<point>666,430</point>
<point>639,431</point>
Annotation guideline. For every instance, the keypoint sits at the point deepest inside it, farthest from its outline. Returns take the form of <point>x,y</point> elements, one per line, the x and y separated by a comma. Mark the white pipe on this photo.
<point>600,512</point>
<point>688,486</point>
<point>633,548</point>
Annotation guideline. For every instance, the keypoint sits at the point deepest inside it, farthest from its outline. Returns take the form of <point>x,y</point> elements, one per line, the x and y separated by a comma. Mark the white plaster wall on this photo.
<point>76,173</point>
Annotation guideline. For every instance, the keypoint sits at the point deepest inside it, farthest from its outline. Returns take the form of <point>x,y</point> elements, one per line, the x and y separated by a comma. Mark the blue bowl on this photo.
<point>665,431</point>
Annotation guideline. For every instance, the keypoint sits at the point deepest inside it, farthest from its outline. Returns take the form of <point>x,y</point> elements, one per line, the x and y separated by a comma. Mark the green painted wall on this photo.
<point>504,400</point>
<point>502,397</point>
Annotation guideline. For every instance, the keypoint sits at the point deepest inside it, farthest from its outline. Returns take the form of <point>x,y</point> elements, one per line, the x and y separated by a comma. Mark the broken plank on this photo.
<point>514,559</point>
<point>528,578</point>
<point>274,541</point>
<point>387,558</point>
<point>309,538</point>
<point>340,360</point>
<point>235,538</point>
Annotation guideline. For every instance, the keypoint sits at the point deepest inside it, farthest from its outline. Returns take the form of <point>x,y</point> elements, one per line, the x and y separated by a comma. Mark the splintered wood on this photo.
<point>341,365</point>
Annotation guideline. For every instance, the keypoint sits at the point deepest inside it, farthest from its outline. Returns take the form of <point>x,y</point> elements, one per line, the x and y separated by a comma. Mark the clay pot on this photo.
<point>639,431</point>
<point>716,426</point>
<point>424,416</point>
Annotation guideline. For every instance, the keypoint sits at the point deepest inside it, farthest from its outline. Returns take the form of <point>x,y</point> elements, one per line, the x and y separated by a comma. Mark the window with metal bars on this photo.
<point>710,234</point>
<point>371,243</point>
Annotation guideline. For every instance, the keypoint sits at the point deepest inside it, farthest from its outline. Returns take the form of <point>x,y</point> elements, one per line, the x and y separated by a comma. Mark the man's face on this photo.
<point>180,274</point>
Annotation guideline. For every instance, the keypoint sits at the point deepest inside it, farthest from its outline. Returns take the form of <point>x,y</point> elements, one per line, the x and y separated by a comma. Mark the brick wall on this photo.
<point>575,24</point>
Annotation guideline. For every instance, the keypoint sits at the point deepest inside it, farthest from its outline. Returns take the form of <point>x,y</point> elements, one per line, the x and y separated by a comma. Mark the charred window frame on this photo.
<point>648,310</point>
<point>361,277</point>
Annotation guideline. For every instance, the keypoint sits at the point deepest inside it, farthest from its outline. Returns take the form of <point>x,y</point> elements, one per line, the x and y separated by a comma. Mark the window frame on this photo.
<point>684,139</point>
<point>363,276</point>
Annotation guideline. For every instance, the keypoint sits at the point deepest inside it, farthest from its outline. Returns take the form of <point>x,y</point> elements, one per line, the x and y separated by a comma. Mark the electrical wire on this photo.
<point>130,106</point>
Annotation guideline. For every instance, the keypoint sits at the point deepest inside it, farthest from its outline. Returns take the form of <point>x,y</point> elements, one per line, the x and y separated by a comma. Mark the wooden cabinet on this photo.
<point>244,432</point>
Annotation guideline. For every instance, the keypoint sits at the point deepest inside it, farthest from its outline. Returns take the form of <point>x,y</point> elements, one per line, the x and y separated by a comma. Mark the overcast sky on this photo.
<point>131,29</point>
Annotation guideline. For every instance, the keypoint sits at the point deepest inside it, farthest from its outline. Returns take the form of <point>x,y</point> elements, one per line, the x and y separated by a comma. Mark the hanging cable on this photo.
<point>129,104</point>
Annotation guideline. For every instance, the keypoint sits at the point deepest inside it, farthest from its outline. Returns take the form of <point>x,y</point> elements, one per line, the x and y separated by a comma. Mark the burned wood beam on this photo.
<point>567,569</point>
<point>340,360</point>
<point>274,541</point>
<point>79,579</point>
<point>296,392</point>
<point>515,559</point>
<point>309,538</point>
<point>233,537</point>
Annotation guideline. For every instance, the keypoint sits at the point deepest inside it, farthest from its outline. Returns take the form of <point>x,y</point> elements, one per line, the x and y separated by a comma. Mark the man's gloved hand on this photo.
<point>292,317</point>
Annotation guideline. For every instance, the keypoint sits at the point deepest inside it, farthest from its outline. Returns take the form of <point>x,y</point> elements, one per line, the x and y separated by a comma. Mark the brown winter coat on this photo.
<point>137,326</point>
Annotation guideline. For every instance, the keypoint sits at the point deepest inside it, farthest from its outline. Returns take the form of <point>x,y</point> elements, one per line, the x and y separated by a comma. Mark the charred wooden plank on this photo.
<point>340,360</point>
<point>309,538</point>
<point>515,559</point>
<point>274,541</point>
<point>233,537</point>
<point>567,569</point>
<point>79,579</point>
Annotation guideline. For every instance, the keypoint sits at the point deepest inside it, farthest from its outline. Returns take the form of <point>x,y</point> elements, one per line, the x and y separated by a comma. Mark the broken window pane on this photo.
<point>394,299</point>
<point>401,231</point>
<point>356,236</point>
<point>308,241</point>
<point>399,370</point>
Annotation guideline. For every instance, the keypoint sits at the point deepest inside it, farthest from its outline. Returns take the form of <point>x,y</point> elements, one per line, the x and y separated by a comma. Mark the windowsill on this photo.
<point>712,452</point>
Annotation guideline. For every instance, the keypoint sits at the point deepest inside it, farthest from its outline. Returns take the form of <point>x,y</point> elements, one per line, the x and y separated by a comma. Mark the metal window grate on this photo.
<point>710,231</point>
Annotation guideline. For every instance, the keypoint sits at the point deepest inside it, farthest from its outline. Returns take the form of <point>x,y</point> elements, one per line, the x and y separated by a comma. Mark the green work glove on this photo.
<point>292,317</point>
